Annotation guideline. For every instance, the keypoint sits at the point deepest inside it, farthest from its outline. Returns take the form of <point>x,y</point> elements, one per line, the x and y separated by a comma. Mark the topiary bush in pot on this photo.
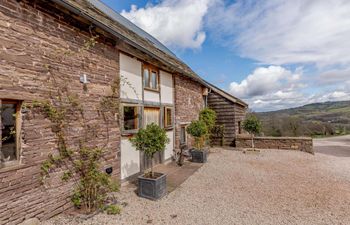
<point>253,126</point>
<point>208,116</point>
<point>151,140</point>
<point>198,130</point>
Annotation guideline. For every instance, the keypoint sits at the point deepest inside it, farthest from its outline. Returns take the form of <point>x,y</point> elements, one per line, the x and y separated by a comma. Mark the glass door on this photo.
<point>151,115</point>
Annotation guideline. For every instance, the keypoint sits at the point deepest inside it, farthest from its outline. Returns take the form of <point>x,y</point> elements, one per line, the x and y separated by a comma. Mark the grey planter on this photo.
<point>152,188</point>
<point>199,156</point>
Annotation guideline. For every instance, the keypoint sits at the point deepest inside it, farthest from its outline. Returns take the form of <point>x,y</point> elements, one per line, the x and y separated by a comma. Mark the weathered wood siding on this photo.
<point>229,114</point>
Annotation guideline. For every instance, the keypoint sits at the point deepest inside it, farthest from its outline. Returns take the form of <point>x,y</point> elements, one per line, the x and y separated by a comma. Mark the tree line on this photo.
<point>286,125</point>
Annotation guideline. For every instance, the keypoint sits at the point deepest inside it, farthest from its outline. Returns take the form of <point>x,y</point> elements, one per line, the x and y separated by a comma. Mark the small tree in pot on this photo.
<point>253,126</point>
<point>198,130</point>
<point>151,140</point>
<point>208,116</point>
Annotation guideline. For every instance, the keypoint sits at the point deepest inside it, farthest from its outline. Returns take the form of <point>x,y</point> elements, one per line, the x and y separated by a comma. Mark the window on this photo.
<point>183,135</point>
<point>151,115</point>
<point>130,117</point>
<point>145,77</point>
<point>239,127</point>
<point>154,80</point>
<point>205,100</point>
<point>168,117</point>
<point>9,130</point>
<point>150,78</point>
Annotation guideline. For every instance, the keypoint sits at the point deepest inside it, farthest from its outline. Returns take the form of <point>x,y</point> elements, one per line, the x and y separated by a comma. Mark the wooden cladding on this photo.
<point>229,114</point>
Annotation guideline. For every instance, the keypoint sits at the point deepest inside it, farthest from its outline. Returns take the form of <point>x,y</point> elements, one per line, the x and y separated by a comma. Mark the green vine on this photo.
<point>80,164</point>
<point>124,82</point>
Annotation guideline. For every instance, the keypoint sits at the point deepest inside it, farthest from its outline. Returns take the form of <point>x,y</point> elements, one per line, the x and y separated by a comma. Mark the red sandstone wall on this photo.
<point>30,35</point>
<point>285,143</point>
<point>188,103</point>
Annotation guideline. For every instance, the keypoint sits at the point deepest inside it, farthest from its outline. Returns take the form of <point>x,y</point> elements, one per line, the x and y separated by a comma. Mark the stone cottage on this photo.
<point>48,49</point>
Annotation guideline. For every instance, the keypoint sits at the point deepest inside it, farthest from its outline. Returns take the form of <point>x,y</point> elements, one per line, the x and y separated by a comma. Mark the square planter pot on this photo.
<point>152,188</point>
<point>199,156</point>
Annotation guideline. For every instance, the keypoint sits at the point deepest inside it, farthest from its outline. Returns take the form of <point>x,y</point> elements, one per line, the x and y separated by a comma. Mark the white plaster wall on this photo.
<point>151,96</point>
<point>130,159</point>
<point>166,87</point>
<point>131,69</point>
<point>168,152</point>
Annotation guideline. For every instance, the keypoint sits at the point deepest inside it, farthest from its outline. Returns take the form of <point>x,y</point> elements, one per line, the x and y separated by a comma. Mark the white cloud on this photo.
<point>176,23</point>
<point>285,32</point>
<point>334,77</point>
<point>275,87</point>
<point>281,100</point>
<point>266,80</point>
<point>274,32</point>
<point>279,32</point>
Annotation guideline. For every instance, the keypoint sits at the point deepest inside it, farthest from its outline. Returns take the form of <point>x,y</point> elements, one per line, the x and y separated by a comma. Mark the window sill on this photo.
<point>169,128</point>
<point>151,89</point>
<point>127,133</point>
<point>9,166</point>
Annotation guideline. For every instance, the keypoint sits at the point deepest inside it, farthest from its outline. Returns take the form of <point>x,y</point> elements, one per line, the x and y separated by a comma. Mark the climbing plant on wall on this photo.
<point>79,160</point>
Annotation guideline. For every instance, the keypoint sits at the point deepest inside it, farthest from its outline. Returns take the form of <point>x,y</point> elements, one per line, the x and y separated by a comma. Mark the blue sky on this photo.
<point>272,54</point>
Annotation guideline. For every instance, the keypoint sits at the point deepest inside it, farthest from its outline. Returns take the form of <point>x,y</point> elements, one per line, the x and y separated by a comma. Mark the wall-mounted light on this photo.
<point>84,79</point>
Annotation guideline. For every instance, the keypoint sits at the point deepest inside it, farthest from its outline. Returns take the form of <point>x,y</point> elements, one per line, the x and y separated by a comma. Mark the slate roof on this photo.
<point>129,25</point>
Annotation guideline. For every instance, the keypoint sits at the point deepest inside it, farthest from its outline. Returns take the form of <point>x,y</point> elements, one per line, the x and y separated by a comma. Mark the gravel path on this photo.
<point>337,146</point>
<point>271,187</point>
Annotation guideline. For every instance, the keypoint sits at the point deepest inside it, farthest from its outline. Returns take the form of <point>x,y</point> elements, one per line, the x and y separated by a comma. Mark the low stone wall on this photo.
<point>303,144</point>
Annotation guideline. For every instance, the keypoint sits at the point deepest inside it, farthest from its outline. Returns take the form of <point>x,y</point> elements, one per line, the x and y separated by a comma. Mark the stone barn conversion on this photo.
<point>48,48</point>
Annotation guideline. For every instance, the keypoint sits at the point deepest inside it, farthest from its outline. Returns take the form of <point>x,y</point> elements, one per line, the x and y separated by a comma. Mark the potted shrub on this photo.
<point>253,126</point>
<point>208,116</point>
<point>198,130</point>
<point>151,140</point>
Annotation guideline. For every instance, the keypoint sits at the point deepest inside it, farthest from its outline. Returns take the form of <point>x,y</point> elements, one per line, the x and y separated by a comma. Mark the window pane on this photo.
<point>130,118</point>
<point>8,132</point>
<point>183,135</point>
<point>168,117</point>
<point>205,101</point>
<point>154,80</point>
<point>146,78</point>
<point>151,115</point>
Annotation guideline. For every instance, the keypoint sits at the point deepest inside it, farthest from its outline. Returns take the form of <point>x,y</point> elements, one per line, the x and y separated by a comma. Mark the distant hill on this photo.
<point>328,118</point>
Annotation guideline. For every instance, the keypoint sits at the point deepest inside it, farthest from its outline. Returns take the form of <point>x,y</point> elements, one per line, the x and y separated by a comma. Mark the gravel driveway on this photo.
<point>272,187</point>
<point>337,146</point>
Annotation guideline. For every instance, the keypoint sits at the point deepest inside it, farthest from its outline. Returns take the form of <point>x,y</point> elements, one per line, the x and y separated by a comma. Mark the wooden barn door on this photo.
<point>151,115</point>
